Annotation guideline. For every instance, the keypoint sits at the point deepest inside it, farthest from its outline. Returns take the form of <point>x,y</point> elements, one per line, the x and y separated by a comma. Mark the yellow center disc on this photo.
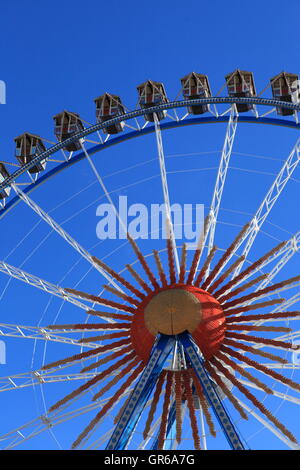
<point>172,311</point>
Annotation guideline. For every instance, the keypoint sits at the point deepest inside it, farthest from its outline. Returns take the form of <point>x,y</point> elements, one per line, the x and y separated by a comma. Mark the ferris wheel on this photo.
<point>183,347</point>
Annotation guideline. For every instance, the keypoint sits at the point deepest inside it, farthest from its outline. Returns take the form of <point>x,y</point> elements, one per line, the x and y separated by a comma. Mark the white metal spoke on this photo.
<point>163,173</point>
<point>289,336</point>
<point>96,444</point>
<point>282,396</point>
<point>262,296</point>
<point>41,376</point>
<point>102,440</point>
<point>221,177</point>
<point>29,379</point>
<point>274,365</point>
<point>150,435</point>
<point>270,427</point>
<point>70,240</point>
<point>39,283</point>
<point>285,305</point>
<point>33,332</point>
<point>45,422</point>
<point>285,254</point>
<point>272,195</point>
<point>204,442</point>
<point>100,180</point>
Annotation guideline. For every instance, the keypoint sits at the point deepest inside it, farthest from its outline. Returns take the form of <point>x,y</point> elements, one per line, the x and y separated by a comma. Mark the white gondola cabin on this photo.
<point>285,87</point>
<point>27,147</point>
<point>195,85</point>
<point>241,84</point>
<point>151,94</point>
<point>108,106</point>
<point>3,175</point>
<point>66,125</point>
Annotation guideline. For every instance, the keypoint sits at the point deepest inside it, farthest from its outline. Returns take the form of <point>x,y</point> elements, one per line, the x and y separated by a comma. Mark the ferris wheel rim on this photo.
<point>286,123</point>
<point>140,112</point>
<point>79,156</point>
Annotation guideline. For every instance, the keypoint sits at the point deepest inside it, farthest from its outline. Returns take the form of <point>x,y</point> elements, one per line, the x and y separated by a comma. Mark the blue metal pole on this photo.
<point>193,355</point>
<point>137,401</point>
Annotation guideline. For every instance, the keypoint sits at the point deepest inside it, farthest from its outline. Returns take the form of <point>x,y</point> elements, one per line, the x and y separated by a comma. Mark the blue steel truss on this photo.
<point>193,354</point>
<point>131,414</point>
<point>137,401</point>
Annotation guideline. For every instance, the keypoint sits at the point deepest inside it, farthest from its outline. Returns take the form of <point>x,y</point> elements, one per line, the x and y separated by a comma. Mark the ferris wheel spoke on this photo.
<point>221,177</point>
<point>290,336</point>
<point>270,427</point>
<point>270,199</point>
<point>39,283</point>
<point>282,396</point>
<point>285,252</point>
<point>285,305</point>
<point>284,255</point>
<point>100,181</point>
<point>66,236</point>
<point>96,444</point>
<point>53,418</point>
<point>41,376</point>
<point>45,422</point>
<point>169,225</point>
<point>150,434</point>
<point>99,442</point>
<point>30,379</point>
<point>287,366</point>
<point>45,334</point>
<point>283,308</point>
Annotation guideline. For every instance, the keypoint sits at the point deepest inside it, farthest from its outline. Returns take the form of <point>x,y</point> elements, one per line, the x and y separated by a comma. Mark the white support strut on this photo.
<point>70,240</point>
<point>269,426</point>
<point>169,225</point>
<point>221,177</point>
<point>39,283</point>
<point>41,333</point>
<point>47,421</point>
<point>266,206</point>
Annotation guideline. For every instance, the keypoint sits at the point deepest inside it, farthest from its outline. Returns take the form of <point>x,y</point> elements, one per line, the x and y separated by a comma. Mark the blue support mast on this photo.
<point>193,355</point>
<point>161,351</point>
<point>137,401</point>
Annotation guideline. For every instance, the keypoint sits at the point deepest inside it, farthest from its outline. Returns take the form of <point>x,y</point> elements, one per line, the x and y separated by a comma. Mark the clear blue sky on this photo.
<point>61,55</point>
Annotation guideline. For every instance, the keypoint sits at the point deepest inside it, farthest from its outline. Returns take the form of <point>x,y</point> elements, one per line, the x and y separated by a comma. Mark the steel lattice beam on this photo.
<point>163,173</point>
<point>42,423</point>
<point>58,229</point>
<point>282,396</point>
<point>35,332</point>
<point>269,426</point>
<point>221,177</point>
<point>140,394</point>
<point>285,254</point>
<point>29,379</point>
<point>193,354</point>
<point>39,283</point>
<point>266,206</point>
